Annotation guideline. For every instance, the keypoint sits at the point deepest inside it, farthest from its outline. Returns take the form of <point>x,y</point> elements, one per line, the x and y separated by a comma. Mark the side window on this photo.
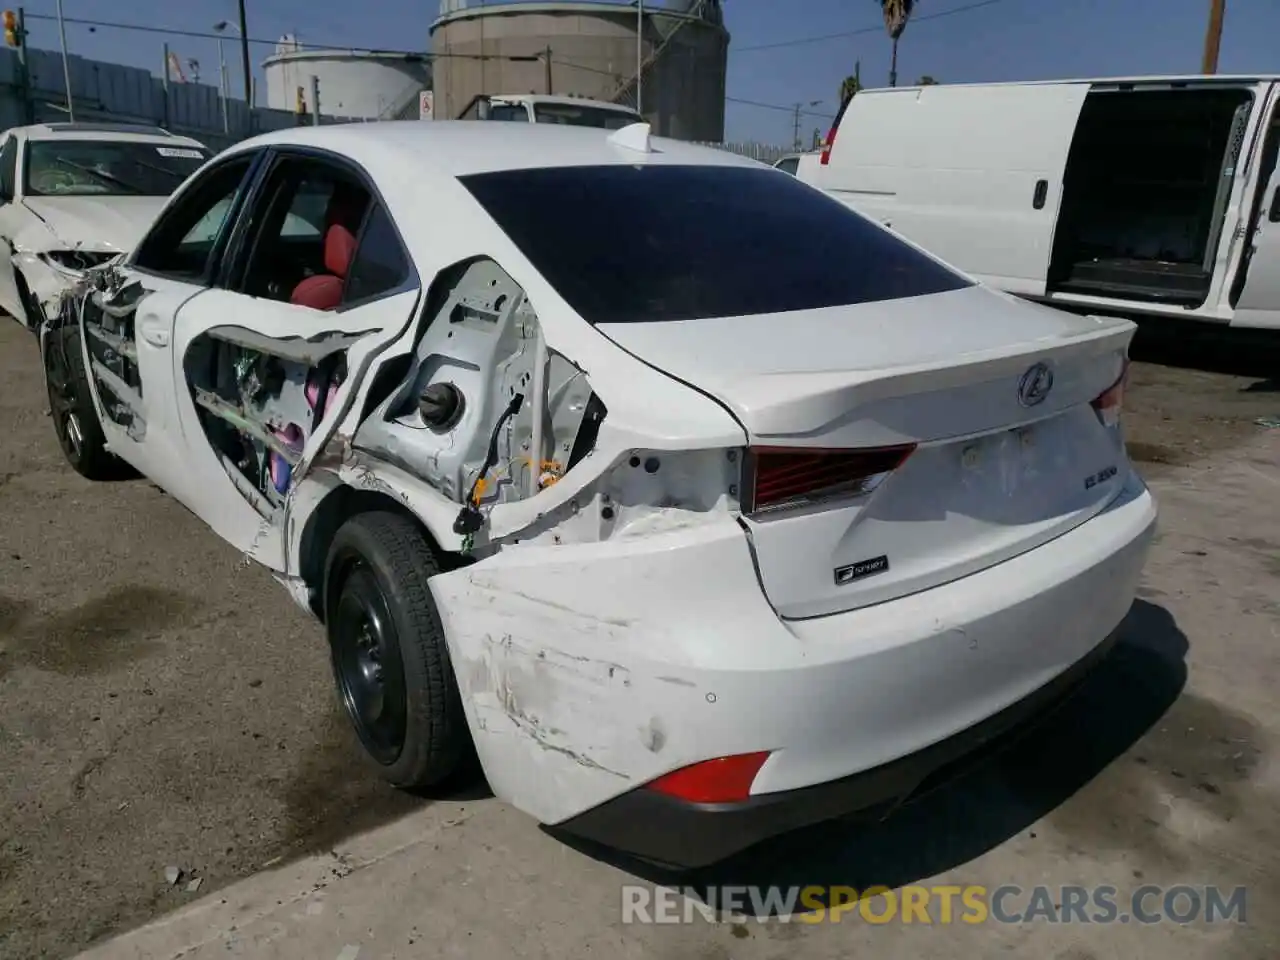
<point>9,168</point>
<point>302,234</point>
<point>509,111</point>
<point>472,112</point>
<point>181,244</point>
<point>318,239</point>
<point>307,211</point>
<point>380,263</point>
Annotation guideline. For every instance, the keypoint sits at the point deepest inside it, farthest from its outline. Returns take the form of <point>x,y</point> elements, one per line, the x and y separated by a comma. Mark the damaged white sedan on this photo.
<point>703,507</point>
<point>74,196</point>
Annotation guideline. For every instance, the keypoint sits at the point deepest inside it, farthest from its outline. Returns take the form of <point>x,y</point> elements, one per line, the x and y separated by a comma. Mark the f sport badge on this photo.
<point>863,568</point>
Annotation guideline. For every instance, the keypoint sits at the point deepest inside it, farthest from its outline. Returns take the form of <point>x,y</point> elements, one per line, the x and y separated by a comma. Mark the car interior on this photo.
<point>303,250</point>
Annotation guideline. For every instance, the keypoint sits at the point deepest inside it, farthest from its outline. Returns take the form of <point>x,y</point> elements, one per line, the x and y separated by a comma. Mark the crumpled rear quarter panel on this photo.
<point>583,674</point>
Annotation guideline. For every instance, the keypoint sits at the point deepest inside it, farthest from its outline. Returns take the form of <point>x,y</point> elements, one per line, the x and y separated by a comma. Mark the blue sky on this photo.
<point>1003,40</point>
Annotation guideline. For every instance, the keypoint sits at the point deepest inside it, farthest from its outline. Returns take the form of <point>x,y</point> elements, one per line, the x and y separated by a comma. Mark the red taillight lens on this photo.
<point>723,780</point>
<point>826,147</point>
<point>785,476</point>
<point>1110,402</point>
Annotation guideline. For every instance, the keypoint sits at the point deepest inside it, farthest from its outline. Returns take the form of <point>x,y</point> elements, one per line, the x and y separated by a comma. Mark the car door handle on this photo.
<point>155,333</point>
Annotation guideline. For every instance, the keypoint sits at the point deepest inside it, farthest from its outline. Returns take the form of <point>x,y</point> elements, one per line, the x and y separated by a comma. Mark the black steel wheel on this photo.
<point>388,651</point>
<point>75,421</point>
<point>366,662</point>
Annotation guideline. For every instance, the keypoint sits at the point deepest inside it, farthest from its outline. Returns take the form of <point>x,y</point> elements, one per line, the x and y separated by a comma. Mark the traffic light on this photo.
<point>12,36</point>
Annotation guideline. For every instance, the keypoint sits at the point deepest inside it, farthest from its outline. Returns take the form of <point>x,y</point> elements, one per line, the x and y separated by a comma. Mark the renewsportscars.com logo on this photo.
<point>941,904</point>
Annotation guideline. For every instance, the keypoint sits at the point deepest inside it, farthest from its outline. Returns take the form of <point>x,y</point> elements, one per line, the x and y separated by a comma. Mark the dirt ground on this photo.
<point>164,704</point>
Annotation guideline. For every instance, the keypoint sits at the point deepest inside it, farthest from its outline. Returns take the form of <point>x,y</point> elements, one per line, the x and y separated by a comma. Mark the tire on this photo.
<point>75,421</point>
<point>388,651</point>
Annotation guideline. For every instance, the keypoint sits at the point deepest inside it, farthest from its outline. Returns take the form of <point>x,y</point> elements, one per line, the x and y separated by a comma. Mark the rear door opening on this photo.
<point>1147,184</point>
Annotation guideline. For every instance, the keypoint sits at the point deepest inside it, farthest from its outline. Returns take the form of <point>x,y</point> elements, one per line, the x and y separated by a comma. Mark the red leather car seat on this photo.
<point>324,290</point>
<point>342,219</point>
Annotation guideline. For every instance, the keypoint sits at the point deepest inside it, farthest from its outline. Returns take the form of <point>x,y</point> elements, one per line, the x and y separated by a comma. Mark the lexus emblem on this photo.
<point>1035,385</point>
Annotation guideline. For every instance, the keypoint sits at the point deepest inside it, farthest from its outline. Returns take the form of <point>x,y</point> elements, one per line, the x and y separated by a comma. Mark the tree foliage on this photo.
<point>896,13</point>
<point>849,86</point>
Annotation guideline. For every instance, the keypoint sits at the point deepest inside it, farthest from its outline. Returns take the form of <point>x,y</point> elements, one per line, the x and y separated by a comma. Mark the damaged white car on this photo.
<point>76,195</point>
<point>703,507</point>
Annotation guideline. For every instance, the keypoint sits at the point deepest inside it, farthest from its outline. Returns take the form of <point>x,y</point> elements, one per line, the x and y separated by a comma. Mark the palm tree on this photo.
<point>896,14</point>
<point>851,84</point>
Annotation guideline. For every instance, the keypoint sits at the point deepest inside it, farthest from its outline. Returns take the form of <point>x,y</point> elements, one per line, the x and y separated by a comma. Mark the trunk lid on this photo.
<point>988,475</point>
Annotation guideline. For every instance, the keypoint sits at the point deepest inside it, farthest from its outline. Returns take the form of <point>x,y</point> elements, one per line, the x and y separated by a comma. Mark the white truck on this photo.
<point>1148,196</point>
<point>545,108</point>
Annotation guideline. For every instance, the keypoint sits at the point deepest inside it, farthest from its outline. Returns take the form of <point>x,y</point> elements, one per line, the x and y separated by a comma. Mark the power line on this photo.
<point>204,35</point>
<point>780,106</point>
<point>967,8</point>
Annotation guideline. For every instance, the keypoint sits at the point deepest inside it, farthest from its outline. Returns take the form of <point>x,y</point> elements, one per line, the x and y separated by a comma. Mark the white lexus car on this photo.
<point>701,506</point>
<point>75,195</point>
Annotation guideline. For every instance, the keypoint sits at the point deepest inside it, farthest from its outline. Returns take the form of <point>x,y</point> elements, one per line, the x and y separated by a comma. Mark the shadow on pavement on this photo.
<point>1124,697</point>
<point>1211,349</point>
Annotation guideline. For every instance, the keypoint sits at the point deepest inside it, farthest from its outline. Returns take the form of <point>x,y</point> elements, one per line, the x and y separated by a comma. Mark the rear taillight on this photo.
<point>780,477</point>
<point>835,128</point>
<point>723,780</point>
<point>830,142</point>
<point>1109,403</point>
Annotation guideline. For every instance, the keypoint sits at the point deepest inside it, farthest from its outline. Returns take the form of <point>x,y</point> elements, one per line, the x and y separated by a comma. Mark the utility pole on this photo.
<point>639,52</point>
<point>66,65</point>
<point>795,123</point>
<point>244,56</point>
<point>24,68</point>
<point>1213,36</point>
<point>546,56</point>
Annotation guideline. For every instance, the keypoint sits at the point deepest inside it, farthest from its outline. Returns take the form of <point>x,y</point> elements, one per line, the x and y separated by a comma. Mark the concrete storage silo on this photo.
<point>594,47</point>
<point>356,84</point>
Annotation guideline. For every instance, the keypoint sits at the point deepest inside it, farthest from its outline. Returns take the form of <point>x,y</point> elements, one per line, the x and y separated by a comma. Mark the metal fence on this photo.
<point>112,92</point>
<point>764,152</point>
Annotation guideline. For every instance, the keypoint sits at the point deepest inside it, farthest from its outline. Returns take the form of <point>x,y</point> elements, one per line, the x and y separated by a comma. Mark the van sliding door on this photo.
<point>971,173</point>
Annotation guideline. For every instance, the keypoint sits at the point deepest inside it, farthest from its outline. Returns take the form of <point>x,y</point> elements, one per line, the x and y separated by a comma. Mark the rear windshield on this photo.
<point>576,116</point>
<point>626,244</point>
<point>77,168</point>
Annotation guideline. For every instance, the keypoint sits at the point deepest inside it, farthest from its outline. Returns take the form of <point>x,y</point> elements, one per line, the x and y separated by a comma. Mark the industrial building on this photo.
<point>589,48</point>
<point>354,84</point>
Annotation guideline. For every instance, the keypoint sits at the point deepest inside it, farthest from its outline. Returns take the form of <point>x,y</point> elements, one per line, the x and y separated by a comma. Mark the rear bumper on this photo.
<point>678,833</point>
<point>589,670</point>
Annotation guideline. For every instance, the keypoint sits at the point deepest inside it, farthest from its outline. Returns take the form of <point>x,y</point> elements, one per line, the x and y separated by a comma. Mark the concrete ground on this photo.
<point>162,704</point>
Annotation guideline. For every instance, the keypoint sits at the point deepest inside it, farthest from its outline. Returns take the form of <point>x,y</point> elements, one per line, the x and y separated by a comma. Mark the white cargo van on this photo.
<point>1152,196</point>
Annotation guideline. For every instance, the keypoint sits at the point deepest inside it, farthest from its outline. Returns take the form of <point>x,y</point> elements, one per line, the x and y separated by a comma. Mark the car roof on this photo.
<point>104,131</point>
<point>459,148</point>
